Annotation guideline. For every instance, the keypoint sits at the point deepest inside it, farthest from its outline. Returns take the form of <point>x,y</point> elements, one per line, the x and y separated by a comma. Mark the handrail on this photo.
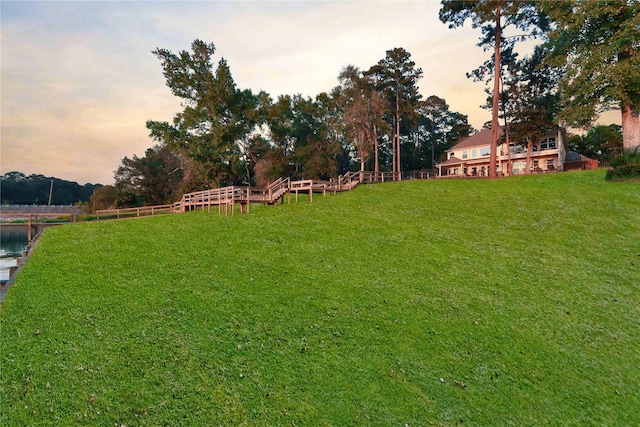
<point>141,211</point>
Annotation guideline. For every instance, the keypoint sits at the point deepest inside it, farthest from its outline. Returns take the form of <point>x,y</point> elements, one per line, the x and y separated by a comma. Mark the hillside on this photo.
<point>515,301</point>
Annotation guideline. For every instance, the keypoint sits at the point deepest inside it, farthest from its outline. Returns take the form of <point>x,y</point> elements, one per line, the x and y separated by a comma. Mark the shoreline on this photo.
<point>20,262</point>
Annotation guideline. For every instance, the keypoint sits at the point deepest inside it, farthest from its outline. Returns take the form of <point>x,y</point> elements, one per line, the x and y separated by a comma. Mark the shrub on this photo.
<point>625,167</point>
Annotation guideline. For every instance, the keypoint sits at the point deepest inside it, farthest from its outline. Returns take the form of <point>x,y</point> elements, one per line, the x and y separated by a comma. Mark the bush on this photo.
<point>625,167</point>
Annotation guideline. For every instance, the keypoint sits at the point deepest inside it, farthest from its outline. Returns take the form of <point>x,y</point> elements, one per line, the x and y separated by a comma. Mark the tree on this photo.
<point>598,42</point>
<point>533,100</point>
<point>103,198</point>
<point>216,114</point>
<point>362,110</point>
<point>40,190</point>
<point>252,144</point>
<point>303,140</point>
<point>601,142</point>
<point>154,179</point>
<point>493,16</point>
<point>280,121</point>
<point>397,78</point>
<point>443,127</point>
<point>315,134</point>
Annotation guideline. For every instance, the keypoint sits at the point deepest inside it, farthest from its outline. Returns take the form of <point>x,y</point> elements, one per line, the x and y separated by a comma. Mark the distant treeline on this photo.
<point>19,189</point>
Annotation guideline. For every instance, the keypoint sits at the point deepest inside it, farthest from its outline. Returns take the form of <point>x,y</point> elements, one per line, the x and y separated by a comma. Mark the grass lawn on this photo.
<point>506,302</point>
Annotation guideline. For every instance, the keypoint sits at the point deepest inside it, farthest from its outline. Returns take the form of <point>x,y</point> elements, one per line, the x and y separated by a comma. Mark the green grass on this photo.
<point>476,302</point>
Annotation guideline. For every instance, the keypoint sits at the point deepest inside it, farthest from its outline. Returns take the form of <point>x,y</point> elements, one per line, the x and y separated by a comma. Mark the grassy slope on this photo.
<point>515,301</point>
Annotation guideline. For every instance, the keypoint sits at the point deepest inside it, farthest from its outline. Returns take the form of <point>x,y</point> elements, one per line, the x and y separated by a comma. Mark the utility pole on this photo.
<point>50,192</point>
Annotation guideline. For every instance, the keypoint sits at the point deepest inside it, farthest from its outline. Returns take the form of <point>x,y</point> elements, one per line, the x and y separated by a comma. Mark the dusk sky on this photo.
<point>79,81</point>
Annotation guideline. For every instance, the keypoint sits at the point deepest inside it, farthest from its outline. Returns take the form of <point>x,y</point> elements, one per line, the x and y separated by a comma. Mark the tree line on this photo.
<point>376,119</point>
<point>20,189</point>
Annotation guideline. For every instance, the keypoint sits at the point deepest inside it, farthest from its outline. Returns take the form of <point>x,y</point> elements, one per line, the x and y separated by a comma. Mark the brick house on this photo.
<point>470,157</point>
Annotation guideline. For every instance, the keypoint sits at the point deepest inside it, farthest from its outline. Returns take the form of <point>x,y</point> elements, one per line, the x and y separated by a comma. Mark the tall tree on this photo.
<point>598,41</point>
<point>353,105</point>
<point>215,113</point>
<point>533,100</point>
<point>397,77</point>
<point>362,110</point>
<point>493,17</point>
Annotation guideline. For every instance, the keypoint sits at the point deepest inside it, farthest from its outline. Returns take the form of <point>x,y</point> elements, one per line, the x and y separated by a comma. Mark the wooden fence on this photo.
<point>136,212</point>
<point>583,164</point>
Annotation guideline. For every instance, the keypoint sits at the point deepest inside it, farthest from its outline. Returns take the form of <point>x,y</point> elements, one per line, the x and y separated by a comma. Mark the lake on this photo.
<point>13,240</point>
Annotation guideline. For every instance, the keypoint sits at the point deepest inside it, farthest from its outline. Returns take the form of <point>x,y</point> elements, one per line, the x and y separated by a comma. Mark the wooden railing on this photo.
<point>135,212</point>
<point>37,217</point>
<point>277,189</point>
<point>229,196</point>
<point>226,198</point>
<point>36,222</point>
<point>351,179</point>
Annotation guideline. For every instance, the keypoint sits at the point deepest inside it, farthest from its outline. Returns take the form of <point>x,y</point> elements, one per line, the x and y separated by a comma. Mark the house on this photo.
<point>470,157</point>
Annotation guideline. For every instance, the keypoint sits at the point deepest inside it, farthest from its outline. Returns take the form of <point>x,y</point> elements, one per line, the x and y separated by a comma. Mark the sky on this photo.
<point>79,81</point>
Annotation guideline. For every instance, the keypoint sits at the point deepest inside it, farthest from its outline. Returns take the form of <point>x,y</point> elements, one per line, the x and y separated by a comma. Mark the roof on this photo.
<point>450,161</point>
<point>572,156</point>
<point>481,138</point>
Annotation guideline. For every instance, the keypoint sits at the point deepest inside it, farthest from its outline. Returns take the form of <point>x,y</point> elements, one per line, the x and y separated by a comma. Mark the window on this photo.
<point>451,154</point>
<point>550,164</point>
<point>535,164</point>
<point>464,154</point>
<point>516,168</point>
<point>485,151</point>
<point>474,153</point>
<point>548,144</point>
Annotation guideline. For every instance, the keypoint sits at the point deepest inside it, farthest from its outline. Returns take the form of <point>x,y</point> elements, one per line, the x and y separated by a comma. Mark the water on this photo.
<point>13,240</point>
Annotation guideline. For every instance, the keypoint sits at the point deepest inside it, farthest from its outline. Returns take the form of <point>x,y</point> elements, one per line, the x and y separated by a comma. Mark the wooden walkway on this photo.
<point>226,198</point>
